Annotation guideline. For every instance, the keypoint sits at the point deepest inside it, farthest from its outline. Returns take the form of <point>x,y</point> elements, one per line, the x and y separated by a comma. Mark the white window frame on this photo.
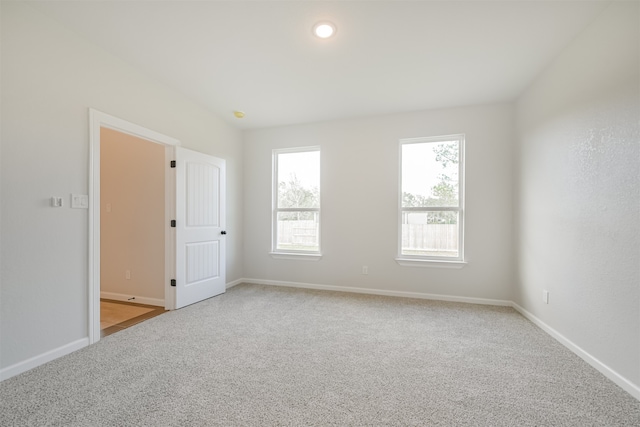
<point>292,254</point>
<point>434,261</point>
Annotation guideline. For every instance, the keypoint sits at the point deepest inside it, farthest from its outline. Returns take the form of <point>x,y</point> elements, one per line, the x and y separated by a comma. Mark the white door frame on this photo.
<point>97,120</point>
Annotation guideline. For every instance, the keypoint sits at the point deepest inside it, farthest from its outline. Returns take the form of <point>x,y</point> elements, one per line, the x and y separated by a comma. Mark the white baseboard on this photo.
<point>132,298</point>
<point>384,292</point>
<point>24,366</point>
<point>605,370</point>
<point>234,283</point>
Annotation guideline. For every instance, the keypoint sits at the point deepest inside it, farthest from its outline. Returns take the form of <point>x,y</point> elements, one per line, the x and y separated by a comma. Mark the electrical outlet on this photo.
<point>545,297</point>
<point>365,269</point>
<point>127,274</point>
<point>56,202</point>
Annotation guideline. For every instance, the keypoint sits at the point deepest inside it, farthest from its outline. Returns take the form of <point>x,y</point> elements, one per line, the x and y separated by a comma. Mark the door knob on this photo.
<point>223,232</point>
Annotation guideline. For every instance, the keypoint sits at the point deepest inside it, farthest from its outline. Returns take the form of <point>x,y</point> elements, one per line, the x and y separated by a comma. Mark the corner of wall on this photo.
<point>576,192</point>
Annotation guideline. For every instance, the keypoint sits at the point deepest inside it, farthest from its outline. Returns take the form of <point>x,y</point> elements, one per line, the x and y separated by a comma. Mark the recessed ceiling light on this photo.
<point>324,30</point>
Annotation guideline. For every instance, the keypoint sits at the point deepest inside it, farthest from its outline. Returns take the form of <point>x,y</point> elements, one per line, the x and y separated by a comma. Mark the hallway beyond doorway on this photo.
<point>118,315</point>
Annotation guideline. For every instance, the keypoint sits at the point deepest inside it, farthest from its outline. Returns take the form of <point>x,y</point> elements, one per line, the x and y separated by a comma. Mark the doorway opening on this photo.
<point>128,265</point>
<point>191,233</point>
<point>132,256</point>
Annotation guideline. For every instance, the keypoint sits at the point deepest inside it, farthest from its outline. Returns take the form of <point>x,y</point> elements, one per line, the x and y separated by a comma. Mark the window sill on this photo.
<point>412,262</point>
<point>296,256</point>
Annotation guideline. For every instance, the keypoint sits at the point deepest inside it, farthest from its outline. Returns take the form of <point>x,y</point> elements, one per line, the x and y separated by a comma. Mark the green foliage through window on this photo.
<point>292,194</point>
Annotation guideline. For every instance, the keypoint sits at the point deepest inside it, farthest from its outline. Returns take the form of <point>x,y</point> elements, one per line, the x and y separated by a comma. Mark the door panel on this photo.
<point>200,221</point>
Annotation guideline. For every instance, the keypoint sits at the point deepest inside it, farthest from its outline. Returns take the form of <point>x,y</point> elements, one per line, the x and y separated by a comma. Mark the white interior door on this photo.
<point>200,227</point>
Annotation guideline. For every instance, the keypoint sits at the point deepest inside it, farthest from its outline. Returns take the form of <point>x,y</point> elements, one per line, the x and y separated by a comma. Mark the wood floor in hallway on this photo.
<point>118,315</point>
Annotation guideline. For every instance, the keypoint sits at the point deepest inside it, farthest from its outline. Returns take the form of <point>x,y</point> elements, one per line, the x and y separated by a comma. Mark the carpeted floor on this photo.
<point>265,356</point>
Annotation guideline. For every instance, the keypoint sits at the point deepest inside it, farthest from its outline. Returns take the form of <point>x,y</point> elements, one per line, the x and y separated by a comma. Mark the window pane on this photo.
<point>430,174</point>
<point>298,231</point>
<point>430,233</point>
<point>299,180</point>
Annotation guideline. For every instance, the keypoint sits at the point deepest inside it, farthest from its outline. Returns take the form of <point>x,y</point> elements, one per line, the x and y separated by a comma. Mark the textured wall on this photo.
<point>578,196</point>
<point>359,192</point>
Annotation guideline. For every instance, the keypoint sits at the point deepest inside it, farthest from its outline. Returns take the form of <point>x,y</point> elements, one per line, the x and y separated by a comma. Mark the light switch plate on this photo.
<point>545,296</point>
<point>80,201</point>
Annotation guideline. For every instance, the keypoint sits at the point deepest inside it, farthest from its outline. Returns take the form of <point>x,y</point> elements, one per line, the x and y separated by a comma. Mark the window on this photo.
<point>431,199</point>
<point>296,201</point>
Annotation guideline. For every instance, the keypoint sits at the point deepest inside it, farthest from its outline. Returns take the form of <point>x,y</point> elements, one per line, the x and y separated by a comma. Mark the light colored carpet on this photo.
<point>266,356</point>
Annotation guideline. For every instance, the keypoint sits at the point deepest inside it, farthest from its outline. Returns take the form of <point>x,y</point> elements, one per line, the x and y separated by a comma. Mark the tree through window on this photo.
<point>296,213</point>
<point>431,203</point>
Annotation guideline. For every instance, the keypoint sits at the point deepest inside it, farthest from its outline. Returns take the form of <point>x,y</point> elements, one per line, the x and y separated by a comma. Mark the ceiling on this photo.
<point>386,57</point>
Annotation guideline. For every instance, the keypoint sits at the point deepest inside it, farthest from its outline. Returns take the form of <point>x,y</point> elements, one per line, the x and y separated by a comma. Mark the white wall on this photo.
<point>132,226</point>
<point>578,195</point>
<point>50,78</point>
<point>359,196</point>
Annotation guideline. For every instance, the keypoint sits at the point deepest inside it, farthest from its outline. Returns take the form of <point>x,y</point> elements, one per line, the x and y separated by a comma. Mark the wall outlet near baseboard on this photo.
<point>365,269</point>
<point>127,274</point>
<point>545,296</point>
